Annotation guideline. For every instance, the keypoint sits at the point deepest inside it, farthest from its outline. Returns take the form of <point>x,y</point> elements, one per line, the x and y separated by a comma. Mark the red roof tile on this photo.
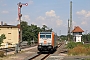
<point>77,29</point>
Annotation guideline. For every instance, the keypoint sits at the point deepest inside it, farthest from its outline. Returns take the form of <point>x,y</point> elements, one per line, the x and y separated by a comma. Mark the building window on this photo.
<point>9,39</point>
<point>9,33</point>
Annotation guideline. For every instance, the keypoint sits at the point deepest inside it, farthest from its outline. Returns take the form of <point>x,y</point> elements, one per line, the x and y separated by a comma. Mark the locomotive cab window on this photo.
<point>42,36</point>
<point>48,36</point>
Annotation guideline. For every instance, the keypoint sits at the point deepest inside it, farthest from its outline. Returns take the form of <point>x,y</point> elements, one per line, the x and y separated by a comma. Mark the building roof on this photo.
<point>8,26</point>
<point>77,29</point>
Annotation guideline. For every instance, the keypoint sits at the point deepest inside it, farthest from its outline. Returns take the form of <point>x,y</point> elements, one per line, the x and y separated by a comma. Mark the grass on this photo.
<point>78,48</point>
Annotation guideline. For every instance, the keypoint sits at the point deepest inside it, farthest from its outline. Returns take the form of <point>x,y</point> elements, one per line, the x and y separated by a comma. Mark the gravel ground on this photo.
<point>58,55</point>
<point>21,55</point>
<point>76,58</point>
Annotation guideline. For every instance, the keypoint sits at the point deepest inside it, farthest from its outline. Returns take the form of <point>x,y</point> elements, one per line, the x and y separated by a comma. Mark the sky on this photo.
<point>52,13</point>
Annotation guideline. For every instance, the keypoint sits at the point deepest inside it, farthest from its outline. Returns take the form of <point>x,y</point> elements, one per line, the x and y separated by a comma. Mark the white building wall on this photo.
<point>78,38</point>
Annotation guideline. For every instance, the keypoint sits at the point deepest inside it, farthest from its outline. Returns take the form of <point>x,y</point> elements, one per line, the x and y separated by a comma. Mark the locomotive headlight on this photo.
<point>49,46</point>
<point>39,46</point>
<point>40,43</point>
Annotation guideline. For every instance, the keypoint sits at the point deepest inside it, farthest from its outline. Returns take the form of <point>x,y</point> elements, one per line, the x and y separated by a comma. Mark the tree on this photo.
<point>34,31</point>
<point>89,36</point>
<point>63,37</point>
<point>24,27</point>
<point>46,29</point>
<point>1,38</point>
<point>29,32</point>
<point>86,37</point>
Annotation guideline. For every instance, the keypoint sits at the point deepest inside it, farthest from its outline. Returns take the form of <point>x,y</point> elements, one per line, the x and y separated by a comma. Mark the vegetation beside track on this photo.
<point>78,48</point>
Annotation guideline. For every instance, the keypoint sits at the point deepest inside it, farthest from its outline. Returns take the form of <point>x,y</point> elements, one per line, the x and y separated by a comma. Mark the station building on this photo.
<point>12,35</point>
<point>77,34</point>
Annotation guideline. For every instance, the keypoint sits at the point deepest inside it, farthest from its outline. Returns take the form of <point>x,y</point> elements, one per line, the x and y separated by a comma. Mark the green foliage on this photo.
<point>79,43</point>
<point>87,58</point>
<point>46,29</point>
<point>78,48</point>
<point>87,45</point>
<point>69,37</point>
<point>86,37</point>
<point>29,32</point>
<point>29,42</point>
<point>1,38</point>
<point>71,45</point>
<point>63,37</point>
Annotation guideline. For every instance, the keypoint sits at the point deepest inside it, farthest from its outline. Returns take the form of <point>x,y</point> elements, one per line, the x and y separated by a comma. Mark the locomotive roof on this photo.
<point>48,33</point>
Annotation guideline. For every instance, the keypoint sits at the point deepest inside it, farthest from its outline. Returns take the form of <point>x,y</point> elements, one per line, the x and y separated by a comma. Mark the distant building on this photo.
<point>77,34</point>
<point>11,33</point>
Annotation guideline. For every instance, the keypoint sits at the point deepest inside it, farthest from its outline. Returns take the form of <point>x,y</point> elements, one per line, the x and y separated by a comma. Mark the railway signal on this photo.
<point>19,9</point>
<point>19,18</point>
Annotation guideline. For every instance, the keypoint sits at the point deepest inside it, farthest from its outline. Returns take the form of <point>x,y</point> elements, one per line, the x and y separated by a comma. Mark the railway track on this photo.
<point>60,44</point>
<point>39,57</point>
<point>42,56</point>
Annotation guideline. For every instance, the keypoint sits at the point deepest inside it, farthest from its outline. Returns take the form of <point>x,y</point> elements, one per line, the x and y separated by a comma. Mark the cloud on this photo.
<point>83,13</point>
<point>40,18</point>
<point>51,13</point>
<point>59,22</point>
<point>84,16</point>
<point>5,12</point>
<point>84,23</point>
<point>25,17</point>
<point>50,19</point>
<point>88,14</point>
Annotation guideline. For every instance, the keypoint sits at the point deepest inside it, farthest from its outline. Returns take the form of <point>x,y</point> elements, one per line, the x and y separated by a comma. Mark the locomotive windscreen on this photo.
<point>45,35</point>
<point>42,36</point>
<point>48,36</point>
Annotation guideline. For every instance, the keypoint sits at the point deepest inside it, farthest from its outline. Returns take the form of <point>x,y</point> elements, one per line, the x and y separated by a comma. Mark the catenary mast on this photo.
<point>70,17</point>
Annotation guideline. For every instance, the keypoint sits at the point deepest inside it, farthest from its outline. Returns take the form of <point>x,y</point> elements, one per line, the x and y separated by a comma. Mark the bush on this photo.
<point>87,45</point>
<point>79,50</point>
<point>79,43</point>
<point>1,53</point>
<point>71,45</point>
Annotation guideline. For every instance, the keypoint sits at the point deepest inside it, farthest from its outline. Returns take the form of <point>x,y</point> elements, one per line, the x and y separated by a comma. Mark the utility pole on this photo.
<point>70,17</point>
<point>19,19</point>
<point>68,29</point>
<point>60,35</point>
<point>86,36</point>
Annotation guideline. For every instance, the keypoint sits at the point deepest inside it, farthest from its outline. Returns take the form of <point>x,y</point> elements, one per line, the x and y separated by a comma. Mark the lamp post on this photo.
<point>19,19</point>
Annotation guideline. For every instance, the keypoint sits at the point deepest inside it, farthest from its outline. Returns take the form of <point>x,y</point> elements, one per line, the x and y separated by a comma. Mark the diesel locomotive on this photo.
<point>47,41</point>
